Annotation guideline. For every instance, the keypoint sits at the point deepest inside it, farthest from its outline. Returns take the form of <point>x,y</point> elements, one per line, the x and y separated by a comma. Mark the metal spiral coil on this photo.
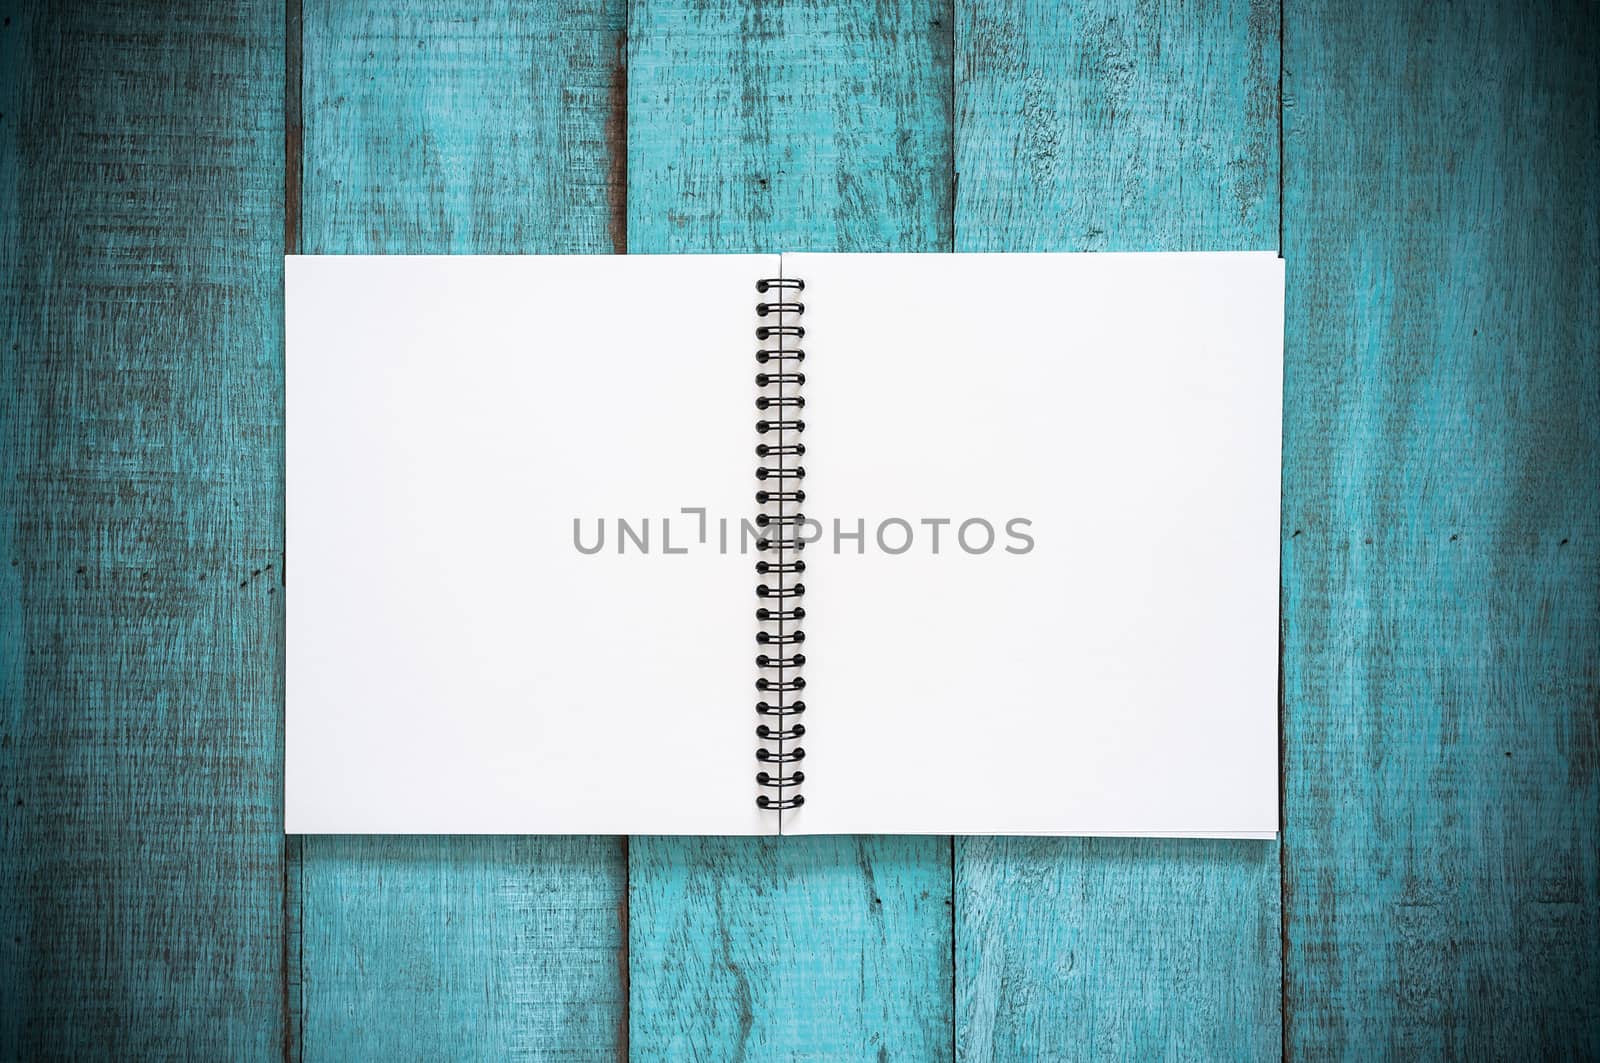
<point>778,499</point>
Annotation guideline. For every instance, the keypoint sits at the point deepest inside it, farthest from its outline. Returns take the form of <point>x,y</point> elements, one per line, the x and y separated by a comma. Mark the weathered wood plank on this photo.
<point>141,175</point>
<point>462,128</point>
<point>1442,642</point>
<point>1116,125</point>
<point>794,948</point>
<point>795,126</point>
<point>462,948</point>
<point>800,127</point>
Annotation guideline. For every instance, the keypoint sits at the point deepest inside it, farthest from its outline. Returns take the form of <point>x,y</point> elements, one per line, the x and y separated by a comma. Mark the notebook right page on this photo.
<point>1044,592</point>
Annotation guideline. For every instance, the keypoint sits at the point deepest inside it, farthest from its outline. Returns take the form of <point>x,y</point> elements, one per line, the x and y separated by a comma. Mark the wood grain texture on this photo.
<point>1116,125</point>
<point>1442,553</point>
<point>794,126</point>
<point>462,948</point>
<point>462,128</point>
<point>790,949</point>
<point>1103,948</point>
<point>467,127</point>
<point>1441,536</point>
<point>140,603</point>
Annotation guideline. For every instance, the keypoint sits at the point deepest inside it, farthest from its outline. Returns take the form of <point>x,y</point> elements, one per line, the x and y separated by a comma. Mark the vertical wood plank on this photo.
<point>1442,642</point>
<point>462,127</point>
<point>792,126</point>
<point>1116,125</point>
<point>141,172</point>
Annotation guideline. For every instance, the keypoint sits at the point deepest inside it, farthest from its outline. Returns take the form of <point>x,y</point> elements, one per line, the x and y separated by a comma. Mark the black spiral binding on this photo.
<point>778,498</point>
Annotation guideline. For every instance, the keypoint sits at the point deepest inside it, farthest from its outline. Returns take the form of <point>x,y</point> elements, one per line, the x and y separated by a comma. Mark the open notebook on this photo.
<point>554,567</point>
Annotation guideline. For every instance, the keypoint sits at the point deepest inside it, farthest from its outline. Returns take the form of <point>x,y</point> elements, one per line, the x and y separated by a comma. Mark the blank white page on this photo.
<point>455,664</point>
<point>1119,678</point>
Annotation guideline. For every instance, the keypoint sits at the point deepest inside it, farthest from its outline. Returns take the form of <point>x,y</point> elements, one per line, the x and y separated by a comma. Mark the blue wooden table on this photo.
<point>1430,174</point>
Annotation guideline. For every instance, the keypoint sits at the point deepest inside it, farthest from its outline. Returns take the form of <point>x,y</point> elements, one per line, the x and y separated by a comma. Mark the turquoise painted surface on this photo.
<point>141,512</point>
<point>1436,890</point>
<point>1117,126</point>
<point>819,948</point>
<point>437,128</point>
<point>1441,668</point>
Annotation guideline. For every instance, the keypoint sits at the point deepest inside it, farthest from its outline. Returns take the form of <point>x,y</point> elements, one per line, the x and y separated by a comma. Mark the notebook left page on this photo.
<point>500,617</point>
